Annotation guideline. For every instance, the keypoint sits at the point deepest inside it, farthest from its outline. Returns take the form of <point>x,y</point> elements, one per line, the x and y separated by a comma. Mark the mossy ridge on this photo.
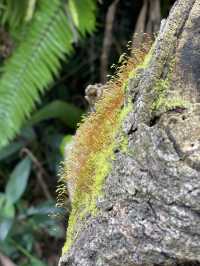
<point>102,161</point>
<point>90,159</point>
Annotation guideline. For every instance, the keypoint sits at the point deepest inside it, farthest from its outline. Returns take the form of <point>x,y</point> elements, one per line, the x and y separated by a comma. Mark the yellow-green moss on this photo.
<point>161,88</point>
<point>103,164</point>
<point>169,104</point>
<point>164,100</point>
<point>97,138</point>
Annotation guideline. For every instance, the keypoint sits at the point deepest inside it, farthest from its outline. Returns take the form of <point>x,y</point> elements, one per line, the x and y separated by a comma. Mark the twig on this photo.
<point>154,20</point>
<point>40,173</point>
<point>92,59</point>
<point>148,20</point>
<point>140,25</point>
<point>5,261</point>
<point>6,44</point>
<point>107,42</point>
<point>118,46</point>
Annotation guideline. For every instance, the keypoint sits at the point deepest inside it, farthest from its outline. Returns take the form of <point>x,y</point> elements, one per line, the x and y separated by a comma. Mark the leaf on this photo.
<point>5,227</point>
<point>28,134</point>
<point>5,260</point>
<point>33,66</point>
<point>30,10</point>
<point>7,248</point>
<point>27,239</point>
<point>74,12</point>
<point>66,112</point>
<point>55,231</point>
<point>7,213</point>
<point>11,149</point>
<point>7,209</point>
<point>13,13</point>
<point>44,208</point>
<point>83,14</point>
<point>36,262</point>
<point>18,180</point>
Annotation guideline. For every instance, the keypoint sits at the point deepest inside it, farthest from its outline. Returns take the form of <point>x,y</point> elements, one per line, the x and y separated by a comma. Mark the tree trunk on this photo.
<point>150,210</point>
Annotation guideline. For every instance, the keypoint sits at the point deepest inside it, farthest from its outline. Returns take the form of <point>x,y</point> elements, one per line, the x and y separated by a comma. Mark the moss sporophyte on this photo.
<point>89,160</point>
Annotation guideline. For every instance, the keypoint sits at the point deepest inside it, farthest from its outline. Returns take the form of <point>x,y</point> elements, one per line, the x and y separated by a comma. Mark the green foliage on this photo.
<point>10,149</point>
<point>30,10</point>
<point>163,102</point>
<point>17,228</point>
<point>35,63</point>
<point>84,23</point>
<point>18,180</point>
<point>68,113</point>
<point>23,224</point>
<point>21,239</point>
<point>13,12</point>
<point>14,189</point>
<point>7,212</point>
<point>31,68</point>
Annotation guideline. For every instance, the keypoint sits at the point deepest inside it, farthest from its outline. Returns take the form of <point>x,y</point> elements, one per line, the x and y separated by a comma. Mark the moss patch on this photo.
<point>90,159</point>
<point>85,203</point>
<point>170,104</point>
<point>162,102</point>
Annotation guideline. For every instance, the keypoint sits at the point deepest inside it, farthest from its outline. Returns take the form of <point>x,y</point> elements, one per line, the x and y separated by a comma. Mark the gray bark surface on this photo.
<point>150,212</point>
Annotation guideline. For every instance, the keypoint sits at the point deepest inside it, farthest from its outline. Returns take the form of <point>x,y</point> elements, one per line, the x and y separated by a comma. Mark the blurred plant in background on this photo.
<point>35,36</point>
<point>55,46</point>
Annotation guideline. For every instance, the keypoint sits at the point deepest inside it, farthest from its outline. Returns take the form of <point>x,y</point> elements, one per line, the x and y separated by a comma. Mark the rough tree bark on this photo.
<point>150,212</point>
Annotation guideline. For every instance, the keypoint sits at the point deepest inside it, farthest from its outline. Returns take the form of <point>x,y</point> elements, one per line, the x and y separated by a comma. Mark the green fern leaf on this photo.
<point>33,66</point>
<point>83,14</point>
<point>12,12</point>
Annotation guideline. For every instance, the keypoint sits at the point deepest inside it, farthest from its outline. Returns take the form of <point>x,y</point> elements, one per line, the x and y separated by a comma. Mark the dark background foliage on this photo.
<point>32,229</point>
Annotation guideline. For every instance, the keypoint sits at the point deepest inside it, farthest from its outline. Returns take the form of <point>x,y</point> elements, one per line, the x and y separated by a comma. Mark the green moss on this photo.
<point>161,101</point>
<point>160,89</point>
<point>124,143</point>
<point>84,203</point>
<point>165,104</point>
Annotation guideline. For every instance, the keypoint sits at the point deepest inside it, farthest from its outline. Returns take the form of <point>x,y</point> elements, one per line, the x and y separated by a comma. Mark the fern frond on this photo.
<point>33,66</point>
<point>84,23</point>
<point>13,12</point>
